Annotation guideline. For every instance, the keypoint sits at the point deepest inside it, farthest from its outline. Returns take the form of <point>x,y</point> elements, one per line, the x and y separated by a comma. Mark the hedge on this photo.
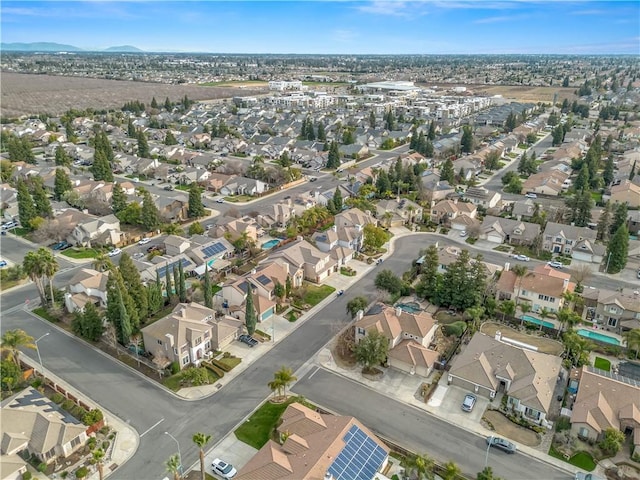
<point>220,365</point>
<point>219,372</point>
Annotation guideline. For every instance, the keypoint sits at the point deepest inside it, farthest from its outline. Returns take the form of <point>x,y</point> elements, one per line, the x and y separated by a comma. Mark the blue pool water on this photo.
<point>537,321</point>
<point>270,244</point>
<point>410,307</point>
<point>598,336</point>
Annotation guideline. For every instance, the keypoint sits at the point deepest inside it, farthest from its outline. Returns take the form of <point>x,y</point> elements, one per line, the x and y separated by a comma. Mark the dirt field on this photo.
<point>518,93</point>
<point>24,94</point>
<point>545,345</point>
<point>510,430</point>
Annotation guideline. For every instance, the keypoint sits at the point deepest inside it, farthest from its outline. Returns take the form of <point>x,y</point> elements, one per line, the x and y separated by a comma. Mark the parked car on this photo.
<point>62,245</point>
<point>313,179</point>
<point>501,444</point>
<point>114,252</point>
<point>224,469</point>
<point>248,340</point>
<point>144,241</point>
<point>557,265</point>
<point>9,225</point>
<point>3,263</point>
<point>169,188</point>
<point>340,293</point>
<point>463,233</point>
<point>469,402</point>
<point>530,195</point>
<point>522,258</point>
<point>140,350</point>
<point>220,200</point>
<point>153,248</point>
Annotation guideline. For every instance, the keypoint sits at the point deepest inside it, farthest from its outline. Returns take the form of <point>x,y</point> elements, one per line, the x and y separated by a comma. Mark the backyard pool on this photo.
<point>598,336</point>
<point>270,244</point>
<point>411,307</point>
<point>537,321</point>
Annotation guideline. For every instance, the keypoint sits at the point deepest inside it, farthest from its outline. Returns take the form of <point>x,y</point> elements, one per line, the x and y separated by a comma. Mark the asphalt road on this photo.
<point>417,430</point>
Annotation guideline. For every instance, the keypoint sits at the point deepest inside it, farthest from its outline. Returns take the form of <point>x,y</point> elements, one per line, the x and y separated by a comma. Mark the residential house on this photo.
<point>276,215</point>
<point>513,232</point>
<point>212,254</point>
<point>435,189</point>
<point>579,242</point>
<point>189,333</point>
<point>626,192</point>
<point>544,287</point>
<point>523,209</point>
<point>218,180</point>
<point>300,255</point>
<point>395,213</point>
<point>234,228</point>
<point>445,211</point>
<point>482,197</point>
<point>410,336</point>
<point>175,245</point>
<point>350,227</point>
<point>450,254</point>
<point>98,231</point>
<point>616,311</point>
<point>606,400</point>
<point>490,365</point>
<point>243,186</point>
<point>172,208</point>
<point>86,286</point>
<point>546,183</point>
<point>317,446</point>
<point>159,265</point>
<point>34,425</point>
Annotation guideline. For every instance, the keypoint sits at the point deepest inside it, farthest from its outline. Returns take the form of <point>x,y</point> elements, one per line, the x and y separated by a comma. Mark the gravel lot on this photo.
<point>25,94</point>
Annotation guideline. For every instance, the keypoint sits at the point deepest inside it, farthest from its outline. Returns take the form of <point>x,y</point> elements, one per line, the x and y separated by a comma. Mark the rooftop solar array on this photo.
<point>263,279</point>
<point>211,250</point>
<point>629,370</point>
<point>360,458</point>
<point>162,270</point>
<point>615,376</point>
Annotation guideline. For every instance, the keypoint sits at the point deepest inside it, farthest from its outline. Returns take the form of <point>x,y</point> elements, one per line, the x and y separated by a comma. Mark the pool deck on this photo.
<point>601,331</point>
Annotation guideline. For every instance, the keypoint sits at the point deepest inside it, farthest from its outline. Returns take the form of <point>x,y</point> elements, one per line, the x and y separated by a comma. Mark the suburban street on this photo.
<point>152,411</point>
<point>415,429</point>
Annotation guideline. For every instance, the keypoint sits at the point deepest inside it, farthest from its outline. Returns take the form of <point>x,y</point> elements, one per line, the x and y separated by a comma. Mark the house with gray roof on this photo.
<point>504,230</point>
<point>616,311</point>
<point>579,242</point>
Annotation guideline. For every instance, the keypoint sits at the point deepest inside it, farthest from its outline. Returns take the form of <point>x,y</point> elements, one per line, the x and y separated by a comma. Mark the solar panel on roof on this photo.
<point>162,270</point>
<point>263,279</point>
<point>212,250</point>
<point>360,458</point>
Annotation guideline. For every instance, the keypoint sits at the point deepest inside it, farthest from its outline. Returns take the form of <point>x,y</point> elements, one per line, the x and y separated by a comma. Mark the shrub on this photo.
<point>64,474</point>
<point>105,445</point>
<point>104,430</point>
<point>42,467</point>
<point>27,476</point>
<point>175,368</point>
<point>226,354</point>
<point>93,416</point>
<point>220,365</point>
<point>57,398</point>
<point>214,369</point>
<point>68,405</point>
<point>36,383</point>
<point>79,412</point>
<point>91,443</point>
<point>82,472</point>
<point>455,328</point>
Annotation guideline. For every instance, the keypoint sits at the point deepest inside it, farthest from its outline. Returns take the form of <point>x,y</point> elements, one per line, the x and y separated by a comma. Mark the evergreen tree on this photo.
<point>62,184</point>
<point>176,280</point>
<point>143,146</point>
<point>118,199</point>
<point>390,121</point>
<point>604,223</point>
<point>618,250</point>
<point>208,292</point>
<point>446,172</point>
<point>167,280</point>
<point>333,160</point>
<point>117,313</point>
<point>62,157</point>
<point>101,169</point>
<point>167,104</point>
<point>413,143</point>
<point>337,200</point>
<point>607,175</point>
<point>372,119</point>
<point>133,284</point>
<point>288,287</point>
<point>154,103</point>
<point>196,209</point>
<point>250,317</point>
<point>131,129</point>
<point>154,297</point>
<point>183,285</point>
<point>26,208</point>
<point>582,181</point>
<point>523,164</point>
<point>347,136</point>
<point>432,131</point>
<point>322,135</point>
<point>558,135</point>
<point>150,217</point>
<point>429,279</point>
<point>40,198</point>
<point>511,122</point>
<point>619,217</point>
<point>92,326</point>
<point>632,173</point>
<point>170,138</point>
<point>125,329</point>
<point>466,143</point>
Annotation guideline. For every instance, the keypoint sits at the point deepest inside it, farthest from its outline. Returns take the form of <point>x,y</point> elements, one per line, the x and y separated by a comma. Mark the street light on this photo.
<point>179,455</point>
<point>486,457</point>
<point>38,351</point>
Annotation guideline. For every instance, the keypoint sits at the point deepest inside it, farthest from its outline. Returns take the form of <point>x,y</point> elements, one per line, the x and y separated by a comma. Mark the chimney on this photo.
<point>170,339</point>
<point>334,228</point>
<point>359,315</point>
<point>498,336</point>
<point>398,311</point>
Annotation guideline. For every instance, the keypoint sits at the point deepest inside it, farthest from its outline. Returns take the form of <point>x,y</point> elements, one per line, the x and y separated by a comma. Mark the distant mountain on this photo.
<point>38,47</point>
<point>124,48</point>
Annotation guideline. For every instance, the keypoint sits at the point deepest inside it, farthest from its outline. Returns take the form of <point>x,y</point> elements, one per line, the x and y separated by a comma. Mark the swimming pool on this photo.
<point>598,336</point>
<point>270,244</point>
<point>537,321</point>
<point>411,307</point>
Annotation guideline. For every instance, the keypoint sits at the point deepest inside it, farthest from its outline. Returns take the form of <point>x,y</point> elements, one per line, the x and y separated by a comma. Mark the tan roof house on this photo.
<point>32,422</point>
<point>545,183</point>
<point>410,336</point>
<point>488,365</point>
<point>86,286</point>
<point>606,400</point>
<point>316,446</point>
<point>189,333</point>
<point>626,192</point>
<point>447,210</point>
<point>301,255</point>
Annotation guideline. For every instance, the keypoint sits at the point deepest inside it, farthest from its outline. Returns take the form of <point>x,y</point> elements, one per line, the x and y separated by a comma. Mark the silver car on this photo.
<point>469,402</point>
<point>502,444</point>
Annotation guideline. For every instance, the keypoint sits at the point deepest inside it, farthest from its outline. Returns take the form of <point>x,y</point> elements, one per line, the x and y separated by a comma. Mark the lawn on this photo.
<point>256,431</point>
<point>239,198</point>
<point>582,460</point>
<point>174,382</point>
<point>231,362</point>
<point>81,253</point>
<point>43,313</point>
<point>314,294</point>
<point>602,364</point>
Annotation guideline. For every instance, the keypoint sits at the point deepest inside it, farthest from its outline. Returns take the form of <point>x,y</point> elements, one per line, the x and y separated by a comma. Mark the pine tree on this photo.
<point>632,173</point>
<point>322,135</point>
<point>61,184</point>
<point>143,146</point>
<point>118,199</point>
<point>131,129</point>
<point>607,174</point>
<point>196,209</point>
<point>101,168</point>
<point>170,138</point>
<point>372,119</point>
<point>333,160</point>
<point>92,327</point>
<point>618,250</point>
<point>40,198</point>
<point>150,217</point>
<point>466,143</point>
<point>167,279</point>
<point>337,200</point>
<point>522,165</point>
<point>176,280</point>
<point>62,157</point>
<point>154,103</point>
<point>446,172</point>
<point>125,329</point>
<point>250,318</point>
<point>26,208</point>
<point>604,223</point>
<point>133,284</point>
<point>582,181</point>
<point>619,217</point>
<point>432,131</point>
<point>167,104</point>
<point>182,291</point>
<point>208,293</point>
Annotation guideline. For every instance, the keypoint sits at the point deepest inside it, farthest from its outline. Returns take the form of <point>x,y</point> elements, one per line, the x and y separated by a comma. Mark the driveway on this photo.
<point>452,402</point>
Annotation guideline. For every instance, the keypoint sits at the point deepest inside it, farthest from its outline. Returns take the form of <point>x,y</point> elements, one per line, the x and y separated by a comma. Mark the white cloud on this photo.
<point>343,35</point>
<point>377,7</point>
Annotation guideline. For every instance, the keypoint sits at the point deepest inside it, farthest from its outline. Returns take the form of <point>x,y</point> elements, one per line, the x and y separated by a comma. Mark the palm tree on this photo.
<point>286,377</point>
<point>422,466</point>
<point>33,268</point>
<point>507,308</point>
<point>49,268</point>
<point>544,313</point>
<point>98,455</point>
<point>524,308</point>
<point>632,337</point>
<point>101,262</point>
<point>201,439</point>
<point>172,229</point>
<point>451,471</point>
<point>13,340</point>
<point>476,314</point>
<point>173,466</point>
<point>276,386</point>
<point>520,271</point>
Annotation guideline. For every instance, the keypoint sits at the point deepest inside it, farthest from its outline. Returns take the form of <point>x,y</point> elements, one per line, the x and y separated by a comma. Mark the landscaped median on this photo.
<point>81,253</point>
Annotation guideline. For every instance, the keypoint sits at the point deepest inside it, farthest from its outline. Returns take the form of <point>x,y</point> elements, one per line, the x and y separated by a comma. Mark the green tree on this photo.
<point>62,184</point>
<point>582,181</point>
<point>6,170</point>
<point>632,339</point>
<point>285,377</point>
<point>466,143</point>
<point>131,129</point>
<point>492,161</point>
<point>604,223</point>
<point>612,441</point>
<point>421,466</point>
<point>446,172</point>
<point>619,217</point>
<point>201,440</point>
<point>356,304</point>
<point>174,467</point>
<point>389,281</point>
<point>196,209</point>
<point>196,228</point>
<point>372,119</point>
<point>124,322</point>
<point>337,200</point>
<point>428,285</point>
<point>12,341</point>
<point>250,317</point>
<point>40,198</point>
<point>11,375</point>
<point>170,138</point>
<point>118,199</point>
<point>486,474</point>
<point>26,208</point>
<point>557,135</point>
<point>101,169</point>
<point>374,237</point>
<point>167,281</point>
<point>618,250</point>
<point>62,158</point>
<point>143,145</point>
<point>511,122</point>
<point>149,214</point>
<point>41,266</point>
<point>451,471</point>
<point>182,291</point>
<point>154,295</point>
<point>431,135</point>
<point>322,135</point>
<point>607,174</point>
<point>88,323</point>
<point>98,456</point>
<point>372,350</point>
<point>333,159</point>
<point>208,292</point>
<point>121,309</point>
<point>133,284</point>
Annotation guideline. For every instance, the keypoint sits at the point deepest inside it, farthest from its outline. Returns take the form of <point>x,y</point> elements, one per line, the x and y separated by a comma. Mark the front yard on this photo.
<point>81,253</point>
<point>310,295</point>
<point>506,428</point>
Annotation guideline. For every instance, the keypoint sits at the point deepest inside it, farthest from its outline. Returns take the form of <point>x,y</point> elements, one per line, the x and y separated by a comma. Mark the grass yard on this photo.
<point>256,431</point>
<point>582,460</point>
<point>43,313</point>
<point>239,198</point>
<point>81,253</point>
<point>502,248</point>
<point>602,364</point>
<point>175,382</point>
<point>231,362</point>
<point>316,293</point>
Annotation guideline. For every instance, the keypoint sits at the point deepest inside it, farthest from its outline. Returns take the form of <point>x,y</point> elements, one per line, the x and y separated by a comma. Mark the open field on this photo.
<point>518,93</point>
<point>25,94</point>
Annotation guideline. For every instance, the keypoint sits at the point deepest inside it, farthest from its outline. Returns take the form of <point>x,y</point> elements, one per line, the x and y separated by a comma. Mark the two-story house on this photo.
<point>409,334</point>
<point>98,231</point>
<point>504,230</point>
<point>445,211</point>
<point>189,333</point>
<point>616,311</point>
<point>480,196</point>
<point>86,286</point>
<point>300,255</point>
<point>579,242</point>
<point>402,211</point>
<point>350,227</point>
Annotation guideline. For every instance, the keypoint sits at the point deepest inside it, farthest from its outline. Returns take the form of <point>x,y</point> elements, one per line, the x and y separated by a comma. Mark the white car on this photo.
<point>114,252</point>
<point>522,258</point>
<point>224,469</point>
<point>220,200</point>
<point>463,233</point>
<point>144,241</point>
<point>530,195</point>
<point>557,265</point>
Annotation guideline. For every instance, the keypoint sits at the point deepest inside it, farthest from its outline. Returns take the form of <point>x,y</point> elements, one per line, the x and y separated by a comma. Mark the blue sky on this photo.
<point>363,27</point>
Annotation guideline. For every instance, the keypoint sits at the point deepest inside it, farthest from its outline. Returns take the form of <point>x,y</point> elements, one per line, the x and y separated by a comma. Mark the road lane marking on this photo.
<point>314,372</point>
<point>151,427</point>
